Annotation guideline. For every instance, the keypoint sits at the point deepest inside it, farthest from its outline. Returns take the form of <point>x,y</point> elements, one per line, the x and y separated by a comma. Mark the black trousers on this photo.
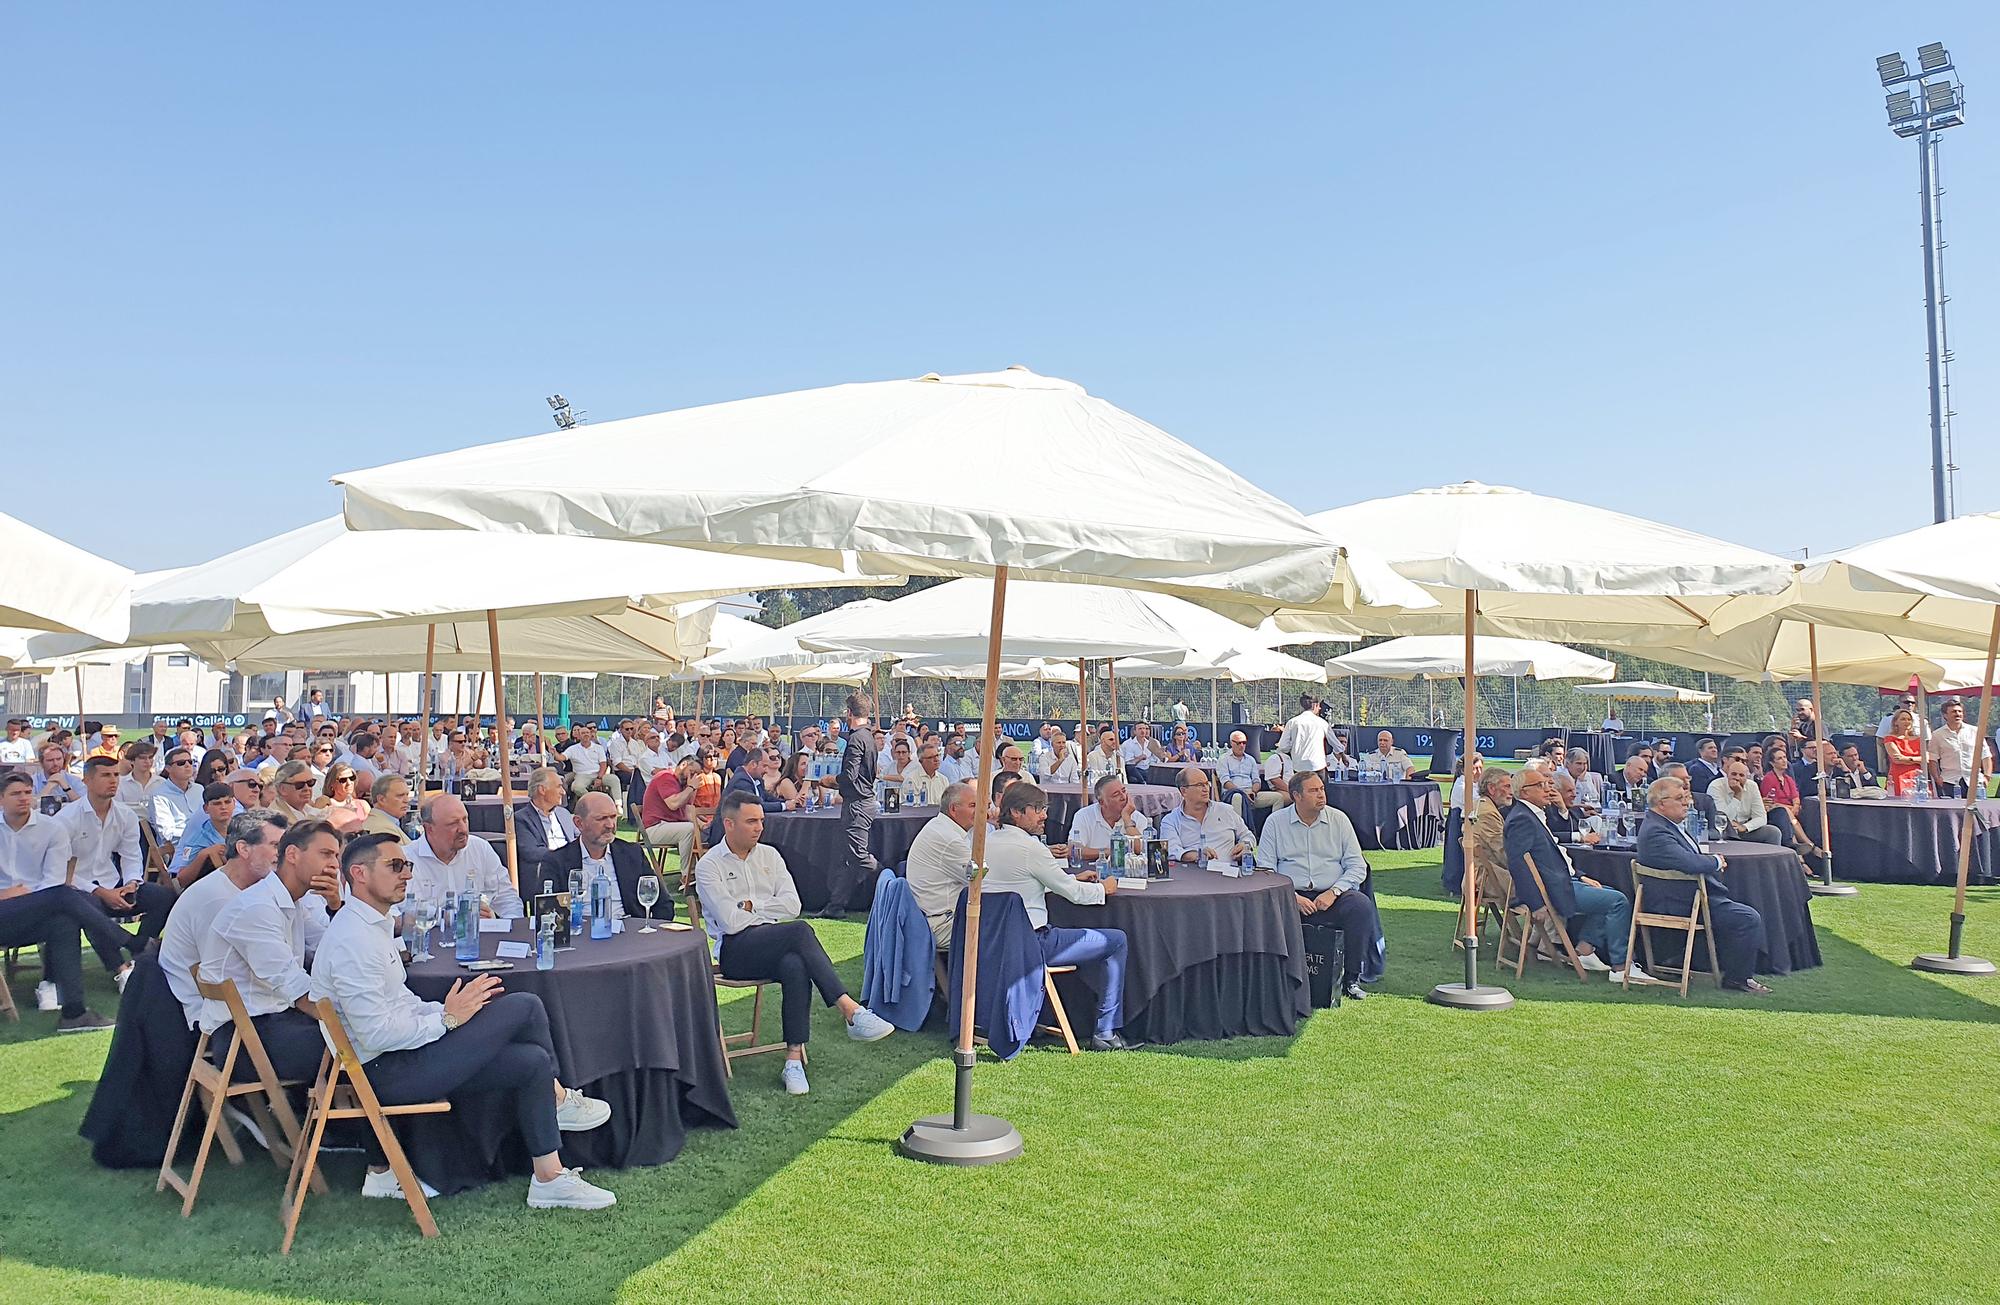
<point>1739,937</point>
<point>291,1039</point>
<point>149,908</point>
<point>42,919</point>
<point>1353,913</point>
<point>790,954</point>
<point>857,865</point>
<point>504,1048</point>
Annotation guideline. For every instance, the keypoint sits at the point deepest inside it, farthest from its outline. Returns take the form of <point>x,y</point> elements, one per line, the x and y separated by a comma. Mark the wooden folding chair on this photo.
<point>1061,1028</point>
<point>1546,919</point>
<point>1696,921</point>
<point>354,1099</point>
<point>734,1045</point>
<point>264,1097</point>
<point>7,1006</point>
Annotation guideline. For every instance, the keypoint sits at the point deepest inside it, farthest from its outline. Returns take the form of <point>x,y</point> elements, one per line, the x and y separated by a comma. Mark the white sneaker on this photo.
<point>795,1078</point>
<point>867,1026</point>
<point>45,996</point>
<point>121,978</point>
<point>1592,963</point>
<point>1633,973</point>
<point>567,1191</point>
<point>579,1113</point>
<point>384,1187</point>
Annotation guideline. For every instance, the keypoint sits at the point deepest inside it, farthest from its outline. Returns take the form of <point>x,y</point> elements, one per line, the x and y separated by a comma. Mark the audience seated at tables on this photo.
<point>1238,775</point>
<point>1278,772</point>
<point>587,765</point>
<point>1586,793</point>
<point>104,839</point>
<point>1183,749</point>
<point>389,797</point>
<point>1597,918</point>
<point>1314,846</point>
<point>1018,862</point>
<point>924,781</point>
<point>1011,760</point>
<point>748,779</point>
<point>1711,818</point>
<point>38,908</point>
<point>1090,828</point>
<point>477,1039</point>
<point>250,852</point>
<point>447,853</point>
<point>1632,778</point>
<point>898,760</point>
<point>1057,762</point>
<point>750,908</point>
<point>1739,806</point>
<point>940,861</point>
<point>600,853</point>
<point>1805,770</point>
<point>202,848</point>
<point>1387,760</point>
<point>1954,756</point>
<point>1706,767</point>
<point>666,812</point>
<point>258,939</point>
<point>1303,740</point>
<point>542,824</point>
<point>1139,752</point>
<point>1853,774</point>
<point>1781,799</point>
<point>1105,758</point>
<point>1486,835</point>
<point>1201,829</point>
<point>1664,845</point>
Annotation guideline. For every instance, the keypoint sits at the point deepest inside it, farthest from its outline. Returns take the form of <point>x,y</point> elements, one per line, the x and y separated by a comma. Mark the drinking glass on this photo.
<point>427,918</point>
<point>649,892</point>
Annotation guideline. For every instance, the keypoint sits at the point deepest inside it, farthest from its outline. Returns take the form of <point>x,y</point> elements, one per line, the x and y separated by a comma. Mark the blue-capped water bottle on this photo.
<point>1115,862</point>
<point>600,908</point>
<point>465,928</point>
<point>545,943</point>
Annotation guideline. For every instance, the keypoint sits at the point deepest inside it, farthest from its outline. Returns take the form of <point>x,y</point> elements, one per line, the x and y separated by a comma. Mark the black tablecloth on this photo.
<point>1065,800</point>
<point>1209,956</point>
<point>633,1020</point>
<point>482,815</point>
<point>1901,841</point>
<point>812,843</point>
<point>1403,815</point>
<point>1772,879</point>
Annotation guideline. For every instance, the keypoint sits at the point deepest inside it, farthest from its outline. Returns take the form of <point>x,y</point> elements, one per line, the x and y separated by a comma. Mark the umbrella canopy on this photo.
<point>1034,670</point>
<point>50,585</point>
<point>1645,691</point>
<point>1246,667</point>
<point>1780,649</point>
<point>952,622</point>
<point>1436,657</point>
<point>950,475</point>
<point>750,651</point>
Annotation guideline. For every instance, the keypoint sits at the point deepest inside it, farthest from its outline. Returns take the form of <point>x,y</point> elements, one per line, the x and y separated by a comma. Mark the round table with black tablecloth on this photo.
<point>1209,956</point>
<point>633,1020</point>
<point>1404,815</point>
<point>813,842</point>
<point>1904,841</point>
<point>1771,879</point>
<point>483,814</point>
<point>1065,800</point>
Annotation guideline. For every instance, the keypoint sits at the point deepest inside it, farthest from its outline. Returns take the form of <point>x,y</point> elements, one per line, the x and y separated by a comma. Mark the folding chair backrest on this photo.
<point>239,1016</point>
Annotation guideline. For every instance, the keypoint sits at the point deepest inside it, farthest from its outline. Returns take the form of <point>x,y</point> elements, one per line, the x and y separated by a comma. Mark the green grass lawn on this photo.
<point>1834,1142</point>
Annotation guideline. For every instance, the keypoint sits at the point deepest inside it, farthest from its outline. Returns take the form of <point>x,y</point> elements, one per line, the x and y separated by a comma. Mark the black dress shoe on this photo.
<point>1115,1042</point>
<point>1750,986</point>
<point>831,913</point>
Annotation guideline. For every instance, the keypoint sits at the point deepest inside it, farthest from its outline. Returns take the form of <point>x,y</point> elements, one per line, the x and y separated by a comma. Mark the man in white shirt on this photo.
<point>924,780</point>
<point>1104,759</point>
<point>104,838</point>
<point>252,839</point>
<point>314,707</point>
<point>258,940</point>
<point>1954,754</point>
<point>1388,760</point>
<point>1238,774</point>
<point>1304,737</point>
<point>17,748</point>
<point>940,862</point>
<point>750,908</point>
<point>1315,847</point>
<point>447,853</point>
<point>1201,830</point>
<point>586,757</point>
<point>618,749</point>
<point>409,747</point>
<point>1059,762</point>
<point>1139,753</point>
<point>475,1040</point>
<point>149,797</point>
<point>38,909</point>
<point>364,753</point>
<point>1740,806</point>
<point>1090,828</point>
<point>1044,740</point>
<point>1017,862</point>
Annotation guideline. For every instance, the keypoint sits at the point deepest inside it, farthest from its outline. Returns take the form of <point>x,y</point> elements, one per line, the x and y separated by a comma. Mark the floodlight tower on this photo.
<point>565,419</point>
<point>1937,103</point>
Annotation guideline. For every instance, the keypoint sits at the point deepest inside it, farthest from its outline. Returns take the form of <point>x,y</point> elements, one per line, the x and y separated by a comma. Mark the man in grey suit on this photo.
<point>541,828</point>
<point>1664,845</point>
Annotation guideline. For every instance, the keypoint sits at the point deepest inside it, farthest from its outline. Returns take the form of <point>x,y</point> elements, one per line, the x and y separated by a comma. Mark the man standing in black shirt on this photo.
<point>857,809</point>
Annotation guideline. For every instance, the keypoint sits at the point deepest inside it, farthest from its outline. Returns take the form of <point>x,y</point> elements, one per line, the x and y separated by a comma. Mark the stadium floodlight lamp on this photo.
<point>1892,68</point>
<point>1932,57</point>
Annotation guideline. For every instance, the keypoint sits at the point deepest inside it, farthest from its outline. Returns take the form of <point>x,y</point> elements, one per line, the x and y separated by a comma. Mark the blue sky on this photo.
<point>1661,257</point>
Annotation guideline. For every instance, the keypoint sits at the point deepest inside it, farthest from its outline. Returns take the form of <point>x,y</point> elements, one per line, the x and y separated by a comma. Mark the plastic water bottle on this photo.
<point>545,943</point>
<point>1075,857</point>
<point>1115,865</point>
<point>600,909</point>
<point>465,928</point>
<point>1921,790</point>
<point>1135,855</point>
<point>579,906</point>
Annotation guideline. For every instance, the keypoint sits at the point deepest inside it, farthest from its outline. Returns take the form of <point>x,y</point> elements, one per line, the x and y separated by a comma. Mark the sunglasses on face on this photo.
<point>397,865</point>
<point>298,783</point>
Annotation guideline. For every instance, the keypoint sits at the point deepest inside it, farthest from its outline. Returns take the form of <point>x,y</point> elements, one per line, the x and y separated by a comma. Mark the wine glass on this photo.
<point>427,918</point>
<point>649,892</point>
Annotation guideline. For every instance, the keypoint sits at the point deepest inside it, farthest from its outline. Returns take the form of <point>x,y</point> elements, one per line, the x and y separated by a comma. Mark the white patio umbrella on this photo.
<point>949,622</point>
<point>50,585</point>
<point>1032,670</point>
<point>1528,566</point>
<point>965,475</point>
<point>1644,691</point>
<point>1441,657</point>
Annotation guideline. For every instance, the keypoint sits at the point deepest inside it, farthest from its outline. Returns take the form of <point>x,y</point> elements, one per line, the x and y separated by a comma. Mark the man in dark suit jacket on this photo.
<point>1706,767</point>
<point>857,809</point>
<point>1598,918</point>
<point>750,779</point>
<point>597,840</point>
<point>533,840</point>
<point>1664,845</point>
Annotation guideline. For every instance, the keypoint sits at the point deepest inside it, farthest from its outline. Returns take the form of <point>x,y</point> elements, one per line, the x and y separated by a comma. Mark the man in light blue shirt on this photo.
<point>1315,847</point>
<point>1238,774</point>
<point>1200,830</point>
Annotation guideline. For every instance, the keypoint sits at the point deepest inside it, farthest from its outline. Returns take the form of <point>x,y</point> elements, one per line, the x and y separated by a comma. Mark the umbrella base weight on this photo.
<point>1940,963</point>
<point>1484,996</point>
<point>985,1140</point>
<point>1819,889</point>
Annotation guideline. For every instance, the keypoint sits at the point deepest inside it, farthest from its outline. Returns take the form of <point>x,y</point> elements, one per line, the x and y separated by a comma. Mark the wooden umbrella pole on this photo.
<point>1111,686</point>
<point>1975,785</point>
<point>500,727</point>
<point>1470,894</point>
<point>700,688</point>
<point>1820,744</point>
<point>424,697</point>
<point>539,746</point>
<point>1215,715</point>
<point>987,725</point>
<point>1082,704</point>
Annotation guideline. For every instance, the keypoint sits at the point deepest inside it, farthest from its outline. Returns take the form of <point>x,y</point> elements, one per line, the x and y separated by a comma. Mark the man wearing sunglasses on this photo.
<point>291,792</point>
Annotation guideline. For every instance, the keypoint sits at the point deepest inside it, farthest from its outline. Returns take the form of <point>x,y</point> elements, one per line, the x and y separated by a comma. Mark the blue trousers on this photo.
<point>1603,919</point>
<point>1099,956</point>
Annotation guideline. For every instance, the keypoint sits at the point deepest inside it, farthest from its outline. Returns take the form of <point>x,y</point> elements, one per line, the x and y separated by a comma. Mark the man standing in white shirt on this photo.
<point>447,854</point>
<point>1954,754</point>
<point>1304,738</point>
<point>252,839</point>
<point>258,941</point>
<point>104,838</point>
<point>940,863</point>
<point>1017,862</point>
<point>475,1040</point>
<point>1090,828</point>
<point>38,909</point>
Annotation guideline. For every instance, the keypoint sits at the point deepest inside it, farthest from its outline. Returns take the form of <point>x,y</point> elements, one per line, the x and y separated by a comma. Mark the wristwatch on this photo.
<point>451,1021</point>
